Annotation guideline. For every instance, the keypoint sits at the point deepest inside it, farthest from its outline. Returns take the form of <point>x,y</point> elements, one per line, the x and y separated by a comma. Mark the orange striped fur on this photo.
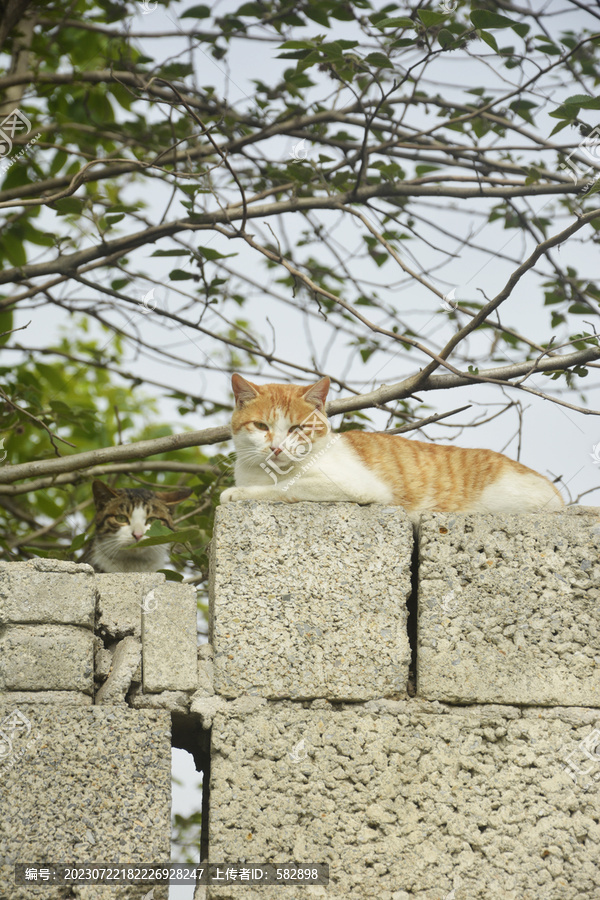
<point>287,451</point>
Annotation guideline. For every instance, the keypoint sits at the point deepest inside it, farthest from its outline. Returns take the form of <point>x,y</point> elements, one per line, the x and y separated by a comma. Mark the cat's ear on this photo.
<point>317,393</point>
<point>243,390</point>
<point>103,493</point>
<point>173,497</point>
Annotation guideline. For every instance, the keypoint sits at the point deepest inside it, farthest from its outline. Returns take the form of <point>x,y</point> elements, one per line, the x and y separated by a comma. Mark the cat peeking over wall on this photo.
<point>122,518</point>
<point>285,450</point>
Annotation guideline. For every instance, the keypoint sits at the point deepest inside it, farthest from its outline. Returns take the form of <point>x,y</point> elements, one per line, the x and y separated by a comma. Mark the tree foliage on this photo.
<point>193,190</point>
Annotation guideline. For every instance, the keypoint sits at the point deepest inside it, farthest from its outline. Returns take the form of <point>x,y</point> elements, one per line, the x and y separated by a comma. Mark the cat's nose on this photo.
<point>276,450</point>
<point>138,534</point>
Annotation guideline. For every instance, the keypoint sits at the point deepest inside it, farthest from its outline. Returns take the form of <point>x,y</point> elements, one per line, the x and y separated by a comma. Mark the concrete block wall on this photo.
<point>310,603</point>
<point>484,781</point>
<point>97,675</point>
<point>82,784</point>
<point>487,782</point>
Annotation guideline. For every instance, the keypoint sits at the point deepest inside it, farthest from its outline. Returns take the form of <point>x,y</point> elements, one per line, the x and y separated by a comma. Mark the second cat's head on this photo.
<point>274,419</point>
<point>123,516</point>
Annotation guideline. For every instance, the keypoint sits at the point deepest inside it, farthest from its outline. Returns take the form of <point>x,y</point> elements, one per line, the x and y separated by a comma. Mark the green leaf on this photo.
<point>43,238</point>
<point>170,253</point>
<point>59,407</point>
<point>482,18</point>
<point>522,108</point>
<point>298,54</point>
<point>180,275</point>
<point>343,12</point>
<point>570,108</point>
<point>196,12</point>
<point>549,49</point>
<point>577,99</point>
<point>424,169</point>
<point>209,253</point>
<point>60,158</point>
<point>489,39</point>
<point>402,42</point>
<point>521,28</point>
<point>429,18</point>
<point>379,60</point>
<point>594,188</point>
<point>559,127</point>
<point>167,537</point>
<point>398,22</point>
<point>170,575</point>
<point>14,250</point>
<point>446,38</point>
<point>564,112</point>
<point>6,323</point>
<point>297,45</point>
<point>249,9</point>
<point>68,205</point>
<point>332,50</point>
<point>77,543</point>
<point>317,15</point>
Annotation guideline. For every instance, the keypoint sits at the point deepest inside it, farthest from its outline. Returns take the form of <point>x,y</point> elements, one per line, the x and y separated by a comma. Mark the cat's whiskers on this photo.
<point>113,546</point>
<point>252,455</point>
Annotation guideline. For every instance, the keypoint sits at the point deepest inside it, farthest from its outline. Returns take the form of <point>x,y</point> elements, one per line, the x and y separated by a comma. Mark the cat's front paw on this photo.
<point>233,493</point>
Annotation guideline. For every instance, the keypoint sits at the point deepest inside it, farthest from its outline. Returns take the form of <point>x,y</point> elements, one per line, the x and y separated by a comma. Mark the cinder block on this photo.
<point>125,660</point>
<point>121,599</point>
<point>407,799</point>
<point>83,785</point>
<point>206,672</point>
<point>169,639</point>
<point>174,701</point>
<point>25,698</point>
<point>47,591</point>
<point>509,609</point>
<point>46,658</point>
<point>309,600</point>
<point>131,891</point>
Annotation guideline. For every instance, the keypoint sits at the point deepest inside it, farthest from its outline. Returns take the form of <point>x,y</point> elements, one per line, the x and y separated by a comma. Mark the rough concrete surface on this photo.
<point>67,698</point>
<point>206,671</point>
<point>169,639</point>
<point>46,658</point>
<point>120,602</point>
<point>174,701</point>
<point>309,600</point>
<point>125,660</point>
<point>407,799</point>
<point>47,591</point>
<point>509,609</point>
<point>83,785</point>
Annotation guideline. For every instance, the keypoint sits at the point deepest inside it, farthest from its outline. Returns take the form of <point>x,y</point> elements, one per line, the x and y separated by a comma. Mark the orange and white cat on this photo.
<point>285,450</point>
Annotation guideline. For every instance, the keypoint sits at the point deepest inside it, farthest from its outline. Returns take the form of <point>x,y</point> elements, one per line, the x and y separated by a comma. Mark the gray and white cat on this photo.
<point>122,518</point>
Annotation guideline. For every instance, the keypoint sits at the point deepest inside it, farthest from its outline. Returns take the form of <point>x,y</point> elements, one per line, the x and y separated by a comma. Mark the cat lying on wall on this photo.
<point>285,450</point>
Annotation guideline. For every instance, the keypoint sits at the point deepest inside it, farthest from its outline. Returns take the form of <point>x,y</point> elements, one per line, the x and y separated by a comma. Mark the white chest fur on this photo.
<point>329,470</point>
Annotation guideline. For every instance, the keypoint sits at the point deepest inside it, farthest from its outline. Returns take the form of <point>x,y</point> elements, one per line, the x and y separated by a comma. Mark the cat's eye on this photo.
<point>122,520</point>
<point>298,429</point>
<point>156,519</point>
<point>261,426</point>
